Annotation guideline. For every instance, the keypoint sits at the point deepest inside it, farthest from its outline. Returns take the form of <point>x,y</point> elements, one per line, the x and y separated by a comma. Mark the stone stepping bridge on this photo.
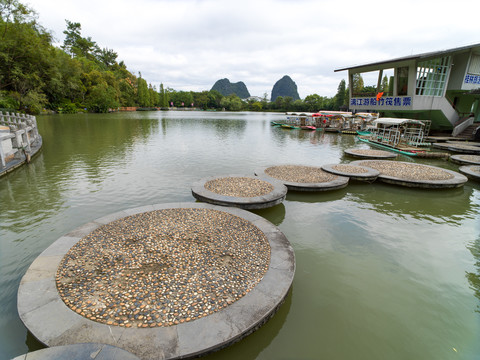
<point>471,171</point>
<point>354,172</point>
<point>442,145</point>
<point>370,153</point>
<point>466,149</point>
<point>242,191</point>
<point>466,159</point>
<point>303,178</point>
<point>414,175</point>
<point>162,281</point>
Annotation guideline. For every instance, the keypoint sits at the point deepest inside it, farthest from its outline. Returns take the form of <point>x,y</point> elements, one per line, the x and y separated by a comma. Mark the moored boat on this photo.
<point>403,136</point>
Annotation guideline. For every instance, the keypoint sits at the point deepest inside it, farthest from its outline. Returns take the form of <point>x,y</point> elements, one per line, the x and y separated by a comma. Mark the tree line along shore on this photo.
<point>80,76</point>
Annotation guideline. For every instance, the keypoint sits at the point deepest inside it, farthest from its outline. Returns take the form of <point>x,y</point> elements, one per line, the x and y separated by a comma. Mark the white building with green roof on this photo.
<point>442,86</point>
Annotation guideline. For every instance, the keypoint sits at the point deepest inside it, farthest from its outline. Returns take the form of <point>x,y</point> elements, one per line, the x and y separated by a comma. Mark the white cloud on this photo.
<point>189,44</point>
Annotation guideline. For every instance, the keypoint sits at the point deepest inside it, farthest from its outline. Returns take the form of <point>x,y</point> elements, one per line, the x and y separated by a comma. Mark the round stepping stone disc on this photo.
<point>466,159</point>
<point>354,172</point>
<point>370,153</point>
<point>414,175</point>
<point>471,171</point>
<point>242,191</point>
<point>162,281</point>
<point>303,178</point>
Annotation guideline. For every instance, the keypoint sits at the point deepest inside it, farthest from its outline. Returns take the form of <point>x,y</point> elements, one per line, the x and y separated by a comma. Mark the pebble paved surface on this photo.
<point>300,174</point>
<point>465,148</point>
<point>349,169</point>
<point>163,268</point>
<point>407,171</point>
<point>472,158</point>
<point>239,186</point>
<point>370,152</point>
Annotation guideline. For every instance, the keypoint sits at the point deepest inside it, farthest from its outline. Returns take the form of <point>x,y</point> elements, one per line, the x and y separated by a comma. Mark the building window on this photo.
<point>432,76</point>
<point>402,81</point>
<point>474,67</point>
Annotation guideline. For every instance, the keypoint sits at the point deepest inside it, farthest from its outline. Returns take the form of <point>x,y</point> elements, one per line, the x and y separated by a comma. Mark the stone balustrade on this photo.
<point>19,140</point>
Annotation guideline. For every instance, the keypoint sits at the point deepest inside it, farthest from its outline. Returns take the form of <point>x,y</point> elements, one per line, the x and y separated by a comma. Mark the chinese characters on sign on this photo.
<point>387,101</point>
<point>472,79</point>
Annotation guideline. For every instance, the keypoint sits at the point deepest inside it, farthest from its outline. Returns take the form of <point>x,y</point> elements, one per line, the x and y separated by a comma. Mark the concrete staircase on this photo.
<point>469,132</point>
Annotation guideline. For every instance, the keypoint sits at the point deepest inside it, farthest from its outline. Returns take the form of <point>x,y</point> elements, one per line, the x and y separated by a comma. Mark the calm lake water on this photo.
<point>383,272</point>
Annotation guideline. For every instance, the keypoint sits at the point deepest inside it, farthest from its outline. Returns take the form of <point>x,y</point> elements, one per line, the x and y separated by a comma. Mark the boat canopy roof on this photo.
<point>395,121</point>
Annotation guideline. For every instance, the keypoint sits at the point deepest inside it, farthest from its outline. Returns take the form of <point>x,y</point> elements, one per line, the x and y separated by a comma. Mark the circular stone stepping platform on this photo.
<point>456,142</point>
<point>354,172</point>
<point>79,352</point>
<point>467,149</point>
<point>370,153</point>
<point>466,159</point>
<point>160,281</point>
<point>471,171</point>
<point>303,178</point>
<point>414,175</point>
<point>245,192</point>
<point>443,145</point>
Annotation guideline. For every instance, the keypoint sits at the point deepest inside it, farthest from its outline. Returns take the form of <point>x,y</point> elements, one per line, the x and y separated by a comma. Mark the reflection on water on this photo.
<point>393,272</point>
<point>275,214</point>
<point>252,346</point>
<point>438,206</point>
<point>474,277</point>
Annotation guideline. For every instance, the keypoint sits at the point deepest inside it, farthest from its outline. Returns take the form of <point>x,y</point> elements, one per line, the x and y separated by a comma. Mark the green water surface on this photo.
<point>383,272</point>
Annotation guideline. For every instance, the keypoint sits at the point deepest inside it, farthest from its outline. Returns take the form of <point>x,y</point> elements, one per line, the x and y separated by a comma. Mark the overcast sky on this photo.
<point>190,44</point>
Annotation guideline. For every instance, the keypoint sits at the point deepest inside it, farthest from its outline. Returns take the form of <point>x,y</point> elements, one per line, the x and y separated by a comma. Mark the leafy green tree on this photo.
<point>357,83</point>
<point>25,53</point>
<point>232,103</point>
<point>154,97</point>
<point>34,101</point>
<point>313,103</point>
<point>287,103</point>
<point>265,101</point>
<point>298,105</point>
<point>76,45</point>
<point>127,93</point>
<point>384,84</point>
<point>102,98</point>
<point>143,97</point>
<point>214,99</point>
<point>163,97</point>
<point>257,106</point>
<point>107,57</point>
<point>278,104</point>
<point>181,98</point>
<point>340,96</point>
<point>13,12</point>
<point>201,99</point>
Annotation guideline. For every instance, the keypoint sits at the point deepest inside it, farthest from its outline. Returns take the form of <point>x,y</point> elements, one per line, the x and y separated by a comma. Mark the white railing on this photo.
<point>18,133</point>
<point>462,126</point>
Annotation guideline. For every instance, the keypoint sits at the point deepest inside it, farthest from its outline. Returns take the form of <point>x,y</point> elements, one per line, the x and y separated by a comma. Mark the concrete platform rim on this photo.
<point>370,175</point>
<point>338,183</point>
<point>53,323</point>
<point>364,156</point>
<point>275,197</point>
<point>467,170</point>
<point>457,159</point>
<point>470,150</point>
<point>457,181</point>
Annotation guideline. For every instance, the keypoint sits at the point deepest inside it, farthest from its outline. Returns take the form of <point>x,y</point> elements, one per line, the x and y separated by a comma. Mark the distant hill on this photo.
<point>225,87</point>
<point>285,87</point>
